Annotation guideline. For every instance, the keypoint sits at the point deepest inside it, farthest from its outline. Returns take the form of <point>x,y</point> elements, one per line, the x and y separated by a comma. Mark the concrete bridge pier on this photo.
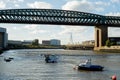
<point>101,35</point>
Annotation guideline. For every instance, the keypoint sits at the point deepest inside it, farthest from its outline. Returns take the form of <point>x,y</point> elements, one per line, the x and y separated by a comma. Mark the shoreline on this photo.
<point>108,50</point>
<point>111,49</point>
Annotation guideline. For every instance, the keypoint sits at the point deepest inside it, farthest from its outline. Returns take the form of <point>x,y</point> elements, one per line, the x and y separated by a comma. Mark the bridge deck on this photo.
<point>54,16</point>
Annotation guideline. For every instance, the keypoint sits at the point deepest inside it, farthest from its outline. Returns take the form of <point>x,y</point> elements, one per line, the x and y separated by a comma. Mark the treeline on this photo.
<point>35,46</point>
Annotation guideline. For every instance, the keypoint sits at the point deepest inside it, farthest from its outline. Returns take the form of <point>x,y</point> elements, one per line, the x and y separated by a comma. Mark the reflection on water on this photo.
<point>30,65</point>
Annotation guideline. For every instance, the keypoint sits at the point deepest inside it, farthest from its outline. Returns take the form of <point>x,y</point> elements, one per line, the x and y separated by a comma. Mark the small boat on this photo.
<point>8,59</point>
<point>51,58</point>
<point>88,66</point>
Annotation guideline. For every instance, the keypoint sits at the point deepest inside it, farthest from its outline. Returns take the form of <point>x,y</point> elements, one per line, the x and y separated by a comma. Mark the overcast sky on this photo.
<point>47,32</point>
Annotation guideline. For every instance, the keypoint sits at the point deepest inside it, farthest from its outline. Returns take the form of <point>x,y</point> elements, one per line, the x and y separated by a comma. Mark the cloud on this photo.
<point>85,5</point>
<point>31,27</point>
<point>15,28</point>
<point>16,5</point>
<point>38,31</point>
<point>113,14</point>
<point>115,1</point>
<point>21,0</point>
<point>72,29</point>
<point>34,29</point>
<point>114,32</point>
<point>10,4</point>
<point>37,4</point>
<point>15,1</point>
<point>79,33</point>
<point>2,5</point>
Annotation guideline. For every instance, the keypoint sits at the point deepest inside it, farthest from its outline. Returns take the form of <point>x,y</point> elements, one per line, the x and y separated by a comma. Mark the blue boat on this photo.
<point>88,66</point>
<point>51,58</point>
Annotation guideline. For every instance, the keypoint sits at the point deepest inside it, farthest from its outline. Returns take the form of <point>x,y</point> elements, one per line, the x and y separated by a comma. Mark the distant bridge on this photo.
<point>62,17</point>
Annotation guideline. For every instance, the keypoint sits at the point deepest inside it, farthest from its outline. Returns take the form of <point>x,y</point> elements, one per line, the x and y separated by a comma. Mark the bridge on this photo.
<point>63,17</point>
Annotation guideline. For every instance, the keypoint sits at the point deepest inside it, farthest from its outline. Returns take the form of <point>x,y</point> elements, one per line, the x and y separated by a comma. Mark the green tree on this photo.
<point>35,42</point>
<point>108,43</point>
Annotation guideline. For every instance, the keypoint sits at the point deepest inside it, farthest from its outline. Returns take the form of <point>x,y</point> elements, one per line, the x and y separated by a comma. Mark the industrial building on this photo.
<point>3,38</point>
<point>14,42</point>
<point>18,42</point>
<point>45,42</point>
<point>54,42</point>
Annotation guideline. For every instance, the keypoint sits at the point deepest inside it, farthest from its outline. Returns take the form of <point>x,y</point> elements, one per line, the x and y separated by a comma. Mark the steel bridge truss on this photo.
<point>54,16</point>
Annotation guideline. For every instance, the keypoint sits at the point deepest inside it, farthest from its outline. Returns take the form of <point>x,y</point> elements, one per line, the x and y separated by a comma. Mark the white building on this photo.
<point>3,38</point>
<point>55,42</point>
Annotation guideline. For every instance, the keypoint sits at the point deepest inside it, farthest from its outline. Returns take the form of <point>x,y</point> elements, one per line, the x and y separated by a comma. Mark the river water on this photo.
<point>29,64</point>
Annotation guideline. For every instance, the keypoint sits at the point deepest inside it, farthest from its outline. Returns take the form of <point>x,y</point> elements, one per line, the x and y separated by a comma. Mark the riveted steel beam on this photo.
<point>54,16</point>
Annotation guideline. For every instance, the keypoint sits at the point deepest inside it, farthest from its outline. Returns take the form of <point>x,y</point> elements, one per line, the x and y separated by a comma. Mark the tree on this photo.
<point>108,43</point>
<point>35,42</point>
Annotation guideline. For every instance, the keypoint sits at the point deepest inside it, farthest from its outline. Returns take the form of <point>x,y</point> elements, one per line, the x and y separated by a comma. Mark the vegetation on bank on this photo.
<point>79,47</point>
<point>109,43</point>
<point>35,47</point>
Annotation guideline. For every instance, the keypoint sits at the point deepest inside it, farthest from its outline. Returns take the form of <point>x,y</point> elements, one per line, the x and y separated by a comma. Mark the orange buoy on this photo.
<point>114,77</point>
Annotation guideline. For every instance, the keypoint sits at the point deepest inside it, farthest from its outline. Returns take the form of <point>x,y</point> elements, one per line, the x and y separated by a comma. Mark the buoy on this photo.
<point>114,77</point>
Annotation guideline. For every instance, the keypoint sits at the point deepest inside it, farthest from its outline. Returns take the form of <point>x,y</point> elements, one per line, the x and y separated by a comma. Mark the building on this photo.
<point>89,42</point>
<point>3,38</point>
<point>115,40</point>
<point>55,42</point>
<point>14,42</point>
<point>45,42</point>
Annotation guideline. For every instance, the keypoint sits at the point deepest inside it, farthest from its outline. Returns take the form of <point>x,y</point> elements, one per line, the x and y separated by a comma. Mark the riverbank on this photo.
<point>2,50</point>
<point>111,49</point>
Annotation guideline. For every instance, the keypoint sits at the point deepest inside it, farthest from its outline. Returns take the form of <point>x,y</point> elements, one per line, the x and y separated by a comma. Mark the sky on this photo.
<point>61,32</point>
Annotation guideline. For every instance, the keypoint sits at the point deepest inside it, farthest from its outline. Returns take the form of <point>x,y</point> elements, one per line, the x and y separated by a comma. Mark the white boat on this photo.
<point>88,66</point>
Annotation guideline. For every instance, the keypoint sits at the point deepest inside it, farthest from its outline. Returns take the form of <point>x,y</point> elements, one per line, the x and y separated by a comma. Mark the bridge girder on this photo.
<point>48,16</point>
<point>54,16</point>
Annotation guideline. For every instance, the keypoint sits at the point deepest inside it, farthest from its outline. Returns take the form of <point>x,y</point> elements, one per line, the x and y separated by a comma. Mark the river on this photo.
<point>29,64</point>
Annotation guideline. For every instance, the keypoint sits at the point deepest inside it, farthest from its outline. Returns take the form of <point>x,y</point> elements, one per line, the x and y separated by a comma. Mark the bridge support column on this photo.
<point>101,35</point>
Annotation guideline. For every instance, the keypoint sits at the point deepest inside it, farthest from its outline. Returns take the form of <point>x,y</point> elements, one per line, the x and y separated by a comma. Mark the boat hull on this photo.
<point>91,68</point>
<point>49,61</point>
